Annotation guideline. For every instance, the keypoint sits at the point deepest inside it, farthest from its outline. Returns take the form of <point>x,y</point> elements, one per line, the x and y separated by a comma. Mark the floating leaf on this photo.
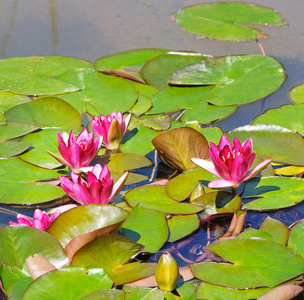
<point>271,141</point>
<point>142,105</point>
<point>223,20</point>
<point>181,226</point>
<point>296,94</point>
<point>49,66</point>
<point>211,291</point>
<point>18,186</point>
<point>13,251</point>
<point>9,149</point>
<point>161,123</point>
<point>100,94</point>
<point>287,116</point>
<point>128,63</point>
<point>253,264</point>
<point>273,192</point>
<point>238,79</point>
<point>158,70</point>
<point>295,241</point>
<point>193,100</point>
<point>153,233</point>
<point>46,112</point>
<point>112,253</point>
<point>177,146</point>
<point>180,187</point>
<point>218,202</point>
<point>106,295</point>
<point>80,225</point>
<point>9,99</point>
<point>15,129</point>
<point>68,283</point>
<point>135,293</point>
<point>155,197</point>
<point>278,230</point>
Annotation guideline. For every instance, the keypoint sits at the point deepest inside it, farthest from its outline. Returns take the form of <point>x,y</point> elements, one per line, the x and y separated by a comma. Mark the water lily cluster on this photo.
<point>88,184</point>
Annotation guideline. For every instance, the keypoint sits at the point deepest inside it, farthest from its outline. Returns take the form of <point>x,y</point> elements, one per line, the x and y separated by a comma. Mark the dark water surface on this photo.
<point>94,28</point>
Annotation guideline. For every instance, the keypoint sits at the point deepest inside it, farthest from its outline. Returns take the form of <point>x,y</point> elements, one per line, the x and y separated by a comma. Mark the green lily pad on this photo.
<point>212,134</point>
<point>158,123</point>
<point>193,100</point>
<point>15,129</point>
<point>278,230</point>
<point>152,233</point>
<point>128,63</point>
<point>9,149</point>
<point>112,253</point>
<point>237,79</point>
<point>177,146</point>
<point>9,99</point>
<point>211,291</point>
<point>180,187</point>
<point>20,186</point>
<point>14,252</point>
<point>48,66</point>
<point>223,20</point>
<point>68,283</point>
<point>296,94</point>
<point>271,141</point>
<point>142,105</point>
<point>41,141</point>
<point>90,221</point>
<point>273,192</point>
<point>158,70</point>
<point>253,264</point>
<point>33,84</point>
<point>181,226</point>
<point>100,94</point>
<point>46,112</point>
<point>136,293</point>
<point>255,233</point>
<point>155,197</point>
<point>106,295</point>
<point>144,89</point>
<point>218,202</point>
<point>2,118</point>
<point>295,241</point>
<point>287,116</point>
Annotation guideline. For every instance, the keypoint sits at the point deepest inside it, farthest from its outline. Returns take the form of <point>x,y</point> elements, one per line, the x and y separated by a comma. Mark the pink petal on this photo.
<point>39,225</point>
<point>239,169</point>
<point>257,169</point>
<point>104,196</point>
<point>76,156</point>
<point>205,164</point>
<point>223,142</point>
<point>24,220</point>
<point>82,195</point>
<point>67,186</point>
<point>221,184</point>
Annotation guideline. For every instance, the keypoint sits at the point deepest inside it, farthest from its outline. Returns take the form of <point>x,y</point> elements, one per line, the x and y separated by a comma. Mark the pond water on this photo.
<point>92,29</point>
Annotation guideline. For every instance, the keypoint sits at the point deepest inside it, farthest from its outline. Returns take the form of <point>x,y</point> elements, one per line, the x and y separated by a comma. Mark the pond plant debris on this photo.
<point>77,143</point>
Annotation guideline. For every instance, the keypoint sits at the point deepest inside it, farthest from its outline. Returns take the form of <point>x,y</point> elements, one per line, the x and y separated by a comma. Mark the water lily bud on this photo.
<point>167,272</point>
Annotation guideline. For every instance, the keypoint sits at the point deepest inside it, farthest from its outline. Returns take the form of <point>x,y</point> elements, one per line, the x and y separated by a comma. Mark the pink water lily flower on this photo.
<point>99,187</point>
<point>77,153</point>
<point>111,128</point>
<point>231,163</point>
<point>41,219</point>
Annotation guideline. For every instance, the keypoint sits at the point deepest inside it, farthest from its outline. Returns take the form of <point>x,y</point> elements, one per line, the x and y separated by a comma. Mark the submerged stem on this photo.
<point>233,190</point>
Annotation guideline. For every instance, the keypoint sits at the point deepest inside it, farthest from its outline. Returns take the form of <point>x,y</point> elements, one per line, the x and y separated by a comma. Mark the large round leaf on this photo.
<point>297,93</point>
<point>238,79</point>
<point>68,283</point>
<point>223,20</point>
<point>273,192</point>
<point>19,242</point>
<point>46,112</point>
<point>80,225</point>
<point>9,99</point>
<point>112,253</point>
<point>19,186</point>
<point>100,94</point>
<point>147,227</point>
<point>296,242</point>
<point>127,64</point>
<point>271,141</point>
<point>177,146</point>
<point>106,295</point>
<point>49,66</point>
<point>158,70</point>
<point>181,226</point>
<point>193,100</point>
<point>136,293</point>
<point>155,197</point>
<point>252,264</point>
<point>9,149</point>
<point>16,129</point>
<point>287,116</point>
